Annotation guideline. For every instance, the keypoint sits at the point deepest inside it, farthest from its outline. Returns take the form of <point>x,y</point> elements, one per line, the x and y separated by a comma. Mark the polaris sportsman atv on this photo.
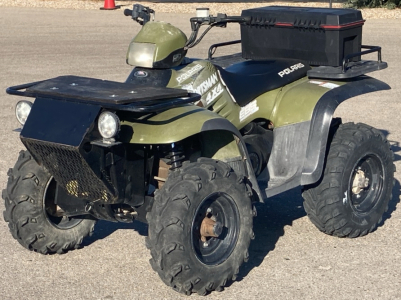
<point>189,145</point>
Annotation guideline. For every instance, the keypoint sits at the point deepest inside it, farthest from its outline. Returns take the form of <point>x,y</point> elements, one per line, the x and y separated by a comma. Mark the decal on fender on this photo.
<point>290,69</point>
<point>189,73</point>
<point>327,85</point>
<point>206,85</point>
<point>214,93</point>
<point>248,110</point>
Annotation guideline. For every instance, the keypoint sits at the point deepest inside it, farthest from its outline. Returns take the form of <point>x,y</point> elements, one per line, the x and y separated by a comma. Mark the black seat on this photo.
<point>249,79</point>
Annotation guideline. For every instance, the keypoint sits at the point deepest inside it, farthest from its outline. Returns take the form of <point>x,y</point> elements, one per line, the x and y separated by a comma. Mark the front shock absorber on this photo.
<point>175,156</point>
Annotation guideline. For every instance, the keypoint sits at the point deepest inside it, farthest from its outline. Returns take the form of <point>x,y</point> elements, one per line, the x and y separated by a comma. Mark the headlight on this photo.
<point>141,54</point>
<point>22,110</point>
<point>108,124</point>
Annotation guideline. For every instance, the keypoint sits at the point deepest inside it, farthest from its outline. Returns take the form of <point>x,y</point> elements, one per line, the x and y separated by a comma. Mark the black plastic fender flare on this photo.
<point>224,124</point>
<point>321,120</point>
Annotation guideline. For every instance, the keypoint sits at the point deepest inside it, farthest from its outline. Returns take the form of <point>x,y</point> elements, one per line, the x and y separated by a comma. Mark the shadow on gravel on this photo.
<point>392,206</point>
<point>395,146</point>
<point>104,228</point>
<point>273,216</point>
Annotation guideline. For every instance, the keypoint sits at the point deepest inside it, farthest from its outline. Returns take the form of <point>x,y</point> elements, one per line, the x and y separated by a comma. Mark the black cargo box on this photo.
<point>320,36</point>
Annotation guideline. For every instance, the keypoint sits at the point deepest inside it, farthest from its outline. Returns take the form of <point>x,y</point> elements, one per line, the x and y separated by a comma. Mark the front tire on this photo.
<point>201,193</point>
<point>356,187</point>
<point>31,212</point>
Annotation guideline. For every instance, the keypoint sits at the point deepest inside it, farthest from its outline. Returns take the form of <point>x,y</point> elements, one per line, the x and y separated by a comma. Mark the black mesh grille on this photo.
<point>70,170</point>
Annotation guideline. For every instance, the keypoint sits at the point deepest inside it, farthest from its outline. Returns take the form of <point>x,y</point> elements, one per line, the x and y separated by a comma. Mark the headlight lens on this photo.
<point>22,110</point>
<point>141,54</point>
<point>108,124</point>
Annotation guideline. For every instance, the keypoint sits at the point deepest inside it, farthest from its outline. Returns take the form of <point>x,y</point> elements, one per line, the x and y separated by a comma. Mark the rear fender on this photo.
<point>321,120</point>
<point>302,118</point>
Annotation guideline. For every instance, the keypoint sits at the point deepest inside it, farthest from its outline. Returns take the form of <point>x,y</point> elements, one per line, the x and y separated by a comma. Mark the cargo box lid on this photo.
<point>326,18</point>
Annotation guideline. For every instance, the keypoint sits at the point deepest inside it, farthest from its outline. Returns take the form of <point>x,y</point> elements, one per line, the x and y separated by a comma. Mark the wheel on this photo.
<point>32,215</point>
<point>256,158</point>
<point>353,193</point>
<point>200,227</point>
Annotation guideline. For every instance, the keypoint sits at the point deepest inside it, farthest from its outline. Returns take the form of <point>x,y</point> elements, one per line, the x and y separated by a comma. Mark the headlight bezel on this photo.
<point>108,131</point>
<point>24,106</point>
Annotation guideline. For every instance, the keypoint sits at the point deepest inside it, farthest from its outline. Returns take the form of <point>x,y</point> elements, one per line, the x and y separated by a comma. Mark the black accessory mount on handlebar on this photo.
<point>140,13</point>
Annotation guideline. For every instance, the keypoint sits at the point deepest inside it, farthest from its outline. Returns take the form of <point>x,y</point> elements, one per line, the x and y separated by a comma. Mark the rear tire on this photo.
<point>356,187</point>
<point>205,189</point>
<point>29,202</point>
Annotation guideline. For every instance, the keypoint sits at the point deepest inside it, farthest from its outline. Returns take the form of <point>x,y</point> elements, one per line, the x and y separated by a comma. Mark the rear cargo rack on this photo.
<point>351,69</point>
<point>108,94</point>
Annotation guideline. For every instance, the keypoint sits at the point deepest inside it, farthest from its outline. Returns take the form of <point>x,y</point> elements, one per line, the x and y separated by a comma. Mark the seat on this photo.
<point>248,79</point>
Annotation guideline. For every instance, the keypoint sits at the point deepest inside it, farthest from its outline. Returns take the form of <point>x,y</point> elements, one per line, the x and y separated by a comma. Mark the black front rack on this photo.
<point>108,94</point>
<point>351,69</point>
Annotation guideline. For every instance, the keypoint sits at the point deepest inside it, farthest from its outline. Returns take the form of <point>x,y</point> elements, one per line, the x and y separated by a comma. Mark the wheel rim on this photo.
<point>53,215</point>
<point>220,208</point>
<point>366,184</point>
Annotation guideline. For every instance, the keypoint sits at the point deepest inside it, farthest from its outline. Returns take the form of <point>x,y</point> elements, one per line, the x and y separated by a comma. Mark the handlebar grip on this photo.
<point>128,12</point>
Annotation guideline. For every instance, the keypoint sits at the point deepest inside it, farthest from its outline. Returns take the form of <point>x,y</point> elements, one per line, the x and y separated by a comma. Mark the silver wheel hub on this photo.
<point>360,182</point>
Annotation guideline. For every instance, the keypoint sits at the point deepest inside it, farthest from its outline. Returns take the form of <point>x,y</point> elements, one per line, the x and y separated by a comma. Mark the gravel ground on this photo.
<point>228,8</point>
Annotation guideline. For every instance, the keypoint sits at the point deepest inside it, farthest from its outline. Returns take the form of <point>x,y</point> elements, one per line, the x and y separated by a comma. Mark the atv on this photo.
<point>189,146</point>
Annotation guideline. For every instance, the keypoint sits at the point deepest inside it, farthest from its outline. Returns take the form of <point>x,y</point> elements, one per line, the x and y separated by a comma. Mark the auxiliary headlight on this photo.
<point>108,124</point>
<point>22,110</point>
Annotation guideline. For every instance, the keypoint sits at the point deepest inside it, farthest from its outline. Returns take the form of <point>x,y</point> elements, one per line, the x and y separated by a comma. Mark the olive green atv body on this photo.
<point>188,146</point>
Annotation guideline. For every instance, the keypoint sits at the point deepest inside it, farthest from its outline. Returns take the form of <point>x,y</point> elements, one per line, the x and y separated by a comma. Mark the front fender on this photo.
<point>167,127</point>
<point>179,123</point>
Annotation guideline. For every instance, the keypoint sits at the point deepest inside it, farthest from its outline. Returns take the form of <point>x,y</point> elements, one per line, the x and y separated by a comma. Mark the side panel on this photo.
<point>286,159</point>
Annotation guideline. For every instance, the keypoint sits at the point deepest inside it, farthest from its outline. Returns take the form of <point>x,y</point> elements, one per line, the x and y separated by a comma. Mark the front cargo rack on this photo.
<point>108,94</point>
<point>351,69</point>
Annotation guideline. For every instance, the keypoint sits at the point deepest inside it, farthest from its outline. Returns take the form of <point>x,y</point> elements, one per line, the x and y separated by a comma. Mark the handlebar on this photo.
<point>220,18</point>
<point>141,14</point>
<point>128,12</point>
